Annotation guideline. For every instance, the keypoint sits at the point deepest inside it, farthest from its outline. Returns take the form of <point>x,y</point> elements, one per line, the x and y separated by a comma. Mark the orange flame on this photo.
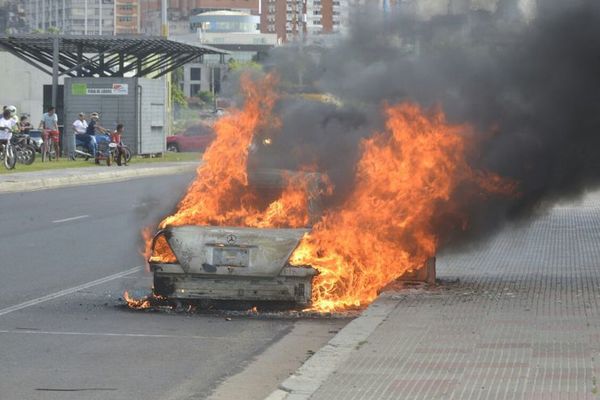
<point>162,252</point>
<point>220,195</point>
<point>407,176</point>
<point>147,250</point>
<point>136,304</point>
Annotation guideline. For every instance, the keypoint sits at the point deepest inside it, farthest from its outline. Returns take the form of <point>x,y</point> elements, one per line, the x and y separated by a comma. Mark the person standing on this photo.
<point>24,125</point>
<point>49,124</point>
<point>115,137</point>
<point>80,126</point>
<point>7,126</point>
<point>103,134</point>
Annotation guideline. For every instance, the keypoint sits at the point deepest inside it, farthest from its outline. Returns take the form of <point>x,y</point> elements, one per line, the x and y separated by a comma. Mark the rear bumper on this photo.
<point>293,284</point>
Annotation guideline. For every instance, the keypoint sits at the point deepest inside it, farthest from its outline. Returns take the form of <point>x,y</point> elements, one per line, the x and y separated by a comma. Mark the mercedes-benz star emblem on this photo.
<point>231,239</point>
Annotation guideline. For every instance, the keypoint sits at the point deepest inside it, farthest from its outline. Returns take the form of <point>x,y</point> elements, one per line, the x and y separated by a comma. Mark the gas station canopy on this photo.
<point>103,56</point>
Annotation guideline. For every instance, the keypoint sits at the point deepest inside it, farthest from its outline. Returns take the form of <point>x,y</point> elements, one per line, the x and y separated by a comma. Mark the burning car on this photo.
<point>245,264</point>
<point>230,263</point>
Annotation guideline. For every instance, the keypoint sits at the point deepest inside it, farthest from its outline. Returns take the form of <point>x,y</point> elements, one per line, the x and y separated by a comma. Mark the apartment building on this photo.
<point>127,17</point>
<point>301,19</point>
<point>84,17</point>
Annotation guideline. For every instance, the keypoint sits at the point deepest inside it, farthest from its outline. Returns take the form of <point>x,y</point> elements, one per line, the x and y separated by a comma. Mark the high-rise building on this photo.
<point>127,17</point>
<point>300,19</point>
<point>84,17</point>
<point>12,17</point>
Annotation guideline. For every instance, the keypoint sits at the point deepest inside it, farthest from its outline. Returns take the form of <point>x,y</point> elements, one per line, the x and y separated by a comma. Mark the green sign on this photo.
<point>79,89</point>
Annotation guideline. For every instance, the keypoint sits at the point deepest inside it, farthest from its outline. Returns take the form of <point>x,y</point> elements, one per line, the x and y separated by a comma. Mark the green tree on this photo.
<point>206,97</point>
<point>234,65</point>
<point>177,96</point>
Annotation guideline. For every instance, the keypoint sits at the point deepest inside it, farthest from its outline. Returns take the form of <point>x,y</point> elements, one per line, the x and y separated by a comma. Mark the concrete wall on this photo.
<point>113,109</point>
<point>153,117</point>
<point>141,110</point>
<point>205,81</point>
<point>23,86</point>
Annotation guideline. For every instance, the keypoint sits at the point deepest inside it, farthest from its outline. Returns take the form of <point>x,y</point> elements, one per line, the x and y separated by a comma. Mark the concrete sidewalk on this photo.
<point>55,178</point>
<point>516,318</point>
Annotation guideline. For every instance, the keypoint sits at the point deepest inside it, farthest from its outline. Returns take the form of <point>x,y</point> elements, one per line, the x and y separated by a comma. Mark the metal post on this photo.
<point>212,77</point>
<point>85,17</point>
<point>79,59</point>
<point>165,33</point>
<point>55,54</point>
<point>100,17</point>
<point>43,15</point>
<point>164,29</point>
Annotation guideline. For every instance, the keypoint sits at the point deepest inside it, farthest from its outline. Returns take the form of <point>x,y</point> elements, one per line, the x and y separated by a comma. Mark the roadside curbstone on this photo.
<point>314,372</point>
<point>13,183</point>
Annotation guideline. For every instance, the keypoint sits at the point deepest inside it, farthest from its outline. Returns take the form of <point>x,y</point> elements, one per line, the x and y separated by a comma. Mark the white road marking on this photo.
<point>132,335</point>
<point>58,221</point>
<point>65,292</point>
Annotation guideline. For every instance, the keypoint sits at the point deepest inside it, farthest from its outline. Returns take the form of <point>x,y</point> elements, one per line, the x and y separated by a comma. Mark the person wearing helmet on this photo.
<point>13,113</point>
<point>7,127</point>
<point>49,124</point>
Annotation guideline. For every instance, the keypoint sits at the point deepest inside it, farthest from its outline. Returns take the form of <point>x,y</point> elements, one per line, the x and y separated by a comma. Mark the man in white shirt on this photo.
<point>79,131</point>
<point>7,125</point>
<point>80,125</point>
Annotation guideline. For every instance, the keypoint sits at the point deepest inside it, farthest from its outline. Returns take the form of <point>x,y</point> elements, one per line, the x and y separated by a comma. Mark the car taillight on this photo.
<point>161,250</point>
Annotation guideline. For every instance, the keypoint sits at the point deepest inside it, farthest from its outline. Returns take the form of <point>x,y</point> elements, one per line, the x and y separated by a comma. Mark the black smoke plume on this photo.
<point>531,88</point>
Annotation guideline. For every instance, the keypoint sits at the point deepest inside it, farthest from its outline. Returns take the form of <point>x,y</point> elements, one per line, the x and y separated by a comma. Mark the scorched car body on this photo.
<point>230,263</point>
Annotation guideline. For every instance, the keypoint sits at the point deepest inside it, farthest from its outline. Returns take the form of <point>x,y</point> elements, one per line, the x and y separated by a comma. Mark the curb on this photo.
<point>30,185</point>
<point>303,383</point>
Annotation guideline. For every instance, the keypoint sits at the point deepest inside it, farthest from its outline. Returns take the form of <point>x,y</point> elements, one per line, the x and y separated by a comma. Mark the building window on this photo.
<point>194,89</point>
<point>195,74</point>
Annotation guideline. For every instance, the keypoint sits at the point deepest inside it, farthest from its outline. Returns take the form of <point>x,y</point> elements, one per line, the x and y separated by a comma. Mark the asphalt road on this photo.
<point>66,256</point>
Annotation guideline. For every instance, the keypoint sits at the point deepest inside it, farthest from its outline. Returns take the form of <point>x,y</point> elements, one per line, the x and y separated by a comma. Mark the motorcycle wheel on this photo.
<point>126,154</point>
<point>108,158</point>
<point>10,158</point>
<point>28,155</point>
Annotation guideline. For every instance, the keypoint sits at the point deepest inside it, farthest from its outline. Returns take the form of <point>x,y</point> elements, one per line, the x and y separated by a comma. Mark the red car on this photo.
<point>194,138</point>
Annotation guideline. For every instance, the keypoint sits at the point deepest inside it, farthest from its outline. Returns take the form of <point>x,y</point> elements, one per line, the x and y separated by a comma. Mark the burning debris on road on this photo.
<point>399,179</point>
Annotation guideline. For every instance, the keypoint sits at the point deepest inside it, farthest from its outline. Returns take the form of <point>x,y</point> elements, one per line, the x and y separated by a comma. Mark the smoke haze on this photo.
<point>530,89</point>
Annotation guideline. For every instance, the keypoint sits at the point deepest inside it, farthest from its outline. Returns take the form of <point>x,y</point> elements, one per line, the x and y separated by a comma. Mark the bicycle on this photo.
<point>47,149</point>
<point>121,153</point>
<point>7,153</point>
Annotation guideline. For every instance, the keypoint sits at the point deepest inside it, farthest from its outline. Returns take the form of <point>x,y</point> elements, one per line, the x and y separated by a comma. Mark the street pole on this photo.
<point>55,54</point>
<point>85,17</point>
<point>164,26</point>
<point>165,33</point>
<point>100,20</point>
<point>212,77</point>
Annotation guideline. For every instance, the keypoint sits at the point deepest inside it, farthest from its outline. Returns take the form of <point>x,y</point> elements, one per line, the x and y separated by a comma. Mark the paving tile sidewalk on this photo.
<point>517,317</point>
<point>54,178</point>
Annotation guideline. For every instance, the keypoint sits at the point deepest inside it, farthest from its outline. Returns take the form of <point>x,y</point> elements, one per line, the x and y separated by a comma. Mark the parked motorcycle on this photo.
<point>23,148</point>
<point>106,151</point>
<point>81,150</point>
